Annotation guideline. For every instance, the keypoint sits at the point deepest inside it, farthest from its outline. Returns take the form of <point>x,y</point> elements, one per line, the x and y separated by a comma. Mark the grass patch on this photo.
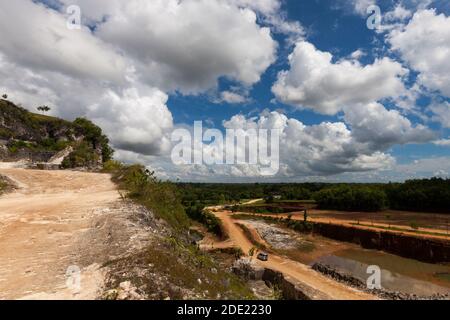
<point>236,252</point>
<point>443,276</point>
<point>247,216</point>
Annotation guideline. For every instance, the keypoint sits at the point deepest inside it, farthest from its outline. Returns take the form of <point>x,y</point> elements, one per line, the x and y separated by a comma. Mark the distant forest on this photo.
<point>427,195</point>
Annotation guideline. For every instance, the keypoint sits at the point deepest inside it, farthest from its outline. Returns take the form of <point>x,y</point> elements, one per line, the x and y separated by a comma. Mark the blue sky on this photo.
<point>331,26</point>
<point>355,104</point>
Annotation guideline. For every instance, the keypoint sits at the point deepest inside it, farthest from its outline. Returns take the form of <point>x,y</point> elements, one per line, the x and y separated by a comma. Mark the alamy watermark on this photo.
<point>374,280</point>
<point>73,279</point>
<point>254,147</point>
<point>73,21</point>
<point>375,17</point>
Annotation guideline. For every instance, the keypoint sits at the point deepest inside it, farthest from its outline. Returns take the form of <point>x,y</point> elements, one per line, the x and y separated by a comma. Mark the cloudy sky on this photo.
<point>354,103</point>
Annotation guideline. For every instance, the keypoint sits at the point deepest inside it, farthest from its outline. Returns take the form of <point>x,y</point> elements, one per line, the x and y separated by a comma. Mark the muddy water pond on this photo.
<point>397,273</point>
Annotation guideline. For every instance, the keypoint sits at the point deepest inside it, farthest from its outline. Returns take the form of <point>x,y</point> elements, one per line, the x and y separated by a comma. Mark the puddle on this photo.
<point>397,274</point>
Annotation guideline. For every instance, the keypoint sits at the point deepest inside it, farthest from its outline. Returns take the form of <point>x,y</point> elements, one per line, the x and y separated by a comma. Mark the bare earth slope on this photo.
<point>57,220</point>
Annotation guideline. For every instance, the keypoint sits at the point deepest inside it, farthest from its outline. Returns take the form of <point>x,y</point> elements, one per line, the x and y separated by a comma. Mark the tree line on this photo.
<point>426,195</point>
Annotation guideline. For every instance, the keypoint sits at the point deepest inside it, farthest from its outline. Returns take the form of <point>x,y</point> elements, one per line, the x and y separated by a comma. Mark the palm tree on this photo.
<point>44,109</point>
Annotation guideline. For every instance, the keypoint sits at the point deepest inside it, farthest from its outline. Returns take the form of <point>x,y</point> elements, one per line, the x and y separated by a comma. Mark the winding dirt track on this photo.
<point>291,268</point>
<point>48,225</point>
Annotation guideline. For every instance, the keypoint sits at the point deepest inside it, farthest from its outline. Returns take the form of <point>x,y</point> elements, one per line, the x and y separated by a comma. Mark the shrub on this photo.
<point>299,226</point>
<point>212,223</point>
<point>158,196</point>
<point>94,135</point>
<point>112,166</point>
<point>82,156</point>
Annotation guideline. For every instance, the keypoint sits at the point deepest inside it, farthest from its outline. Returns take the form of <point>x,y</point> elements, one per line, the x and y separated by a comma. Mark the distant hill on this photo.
<point>39,138</point>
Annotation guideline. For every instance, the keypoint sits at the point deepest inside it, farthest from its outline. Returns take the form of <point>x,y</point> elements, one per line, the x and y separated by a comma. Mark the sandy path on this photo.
<point>291,268</point>
<point>55,220</point>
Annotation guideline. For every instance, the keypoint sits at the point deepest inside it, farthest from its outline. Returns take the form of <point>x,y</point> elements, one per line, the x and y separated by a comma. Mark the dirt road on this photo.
<point>58,223</point>
<point>365,225</point>
<point>291,268</point>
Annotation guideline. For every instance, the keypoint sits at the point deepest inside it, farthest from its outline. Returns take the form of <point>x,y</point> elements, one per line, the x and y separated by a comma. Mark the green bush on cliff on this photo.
<point>32,133</point>
<point>87,152</point>
<point>94,135</point>
<point>160,197</point>
<point>81,157</point>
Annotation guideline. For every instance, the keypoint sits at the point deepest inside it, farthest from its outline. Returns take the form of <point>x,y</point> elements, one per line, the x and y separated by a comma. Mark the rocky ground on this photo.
<point>278,238</point>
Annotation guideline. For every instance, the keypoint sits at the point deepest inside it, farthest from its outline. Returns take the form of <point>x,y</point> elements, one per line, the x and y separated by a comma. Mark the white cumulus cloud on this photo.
<point>424,43</point>
<point>315,82</point>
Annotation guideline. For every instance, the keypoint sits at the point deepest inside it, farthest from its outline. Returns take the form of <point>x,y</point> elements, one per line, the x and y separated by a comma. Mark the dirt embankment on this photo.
<point>430,250</point>
<point>57,230</point>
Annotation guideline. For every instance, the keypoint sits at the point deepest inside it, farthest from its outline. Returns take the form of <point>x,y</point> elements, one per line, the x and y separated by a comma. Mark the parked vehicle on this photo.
<point>263,256</point>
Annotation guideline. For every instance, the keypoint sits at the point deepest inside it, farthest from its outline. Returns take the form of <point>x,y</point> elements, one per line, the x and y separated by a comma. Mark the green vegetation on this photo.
<point>212,223</point>
<point>427,195</point>
<point>36,133</point>
<point>299,226</point>
<point>348,198</point>
<point>215,193</point>
<point>262,208</point>
<point>44,109</point>
<point>159,196</point>
<point>94,135</point>
<point>45,145</point>
<point>85,153</point>
<point>183,266</point>
<point>17,117</point>
<point>179,261</point>
<point>82,156</point>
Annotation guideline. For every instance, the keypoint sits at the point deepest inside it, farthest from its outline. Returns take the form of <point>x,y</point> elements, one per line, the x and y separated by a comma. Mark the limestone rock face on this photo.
<point>50,142</point>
